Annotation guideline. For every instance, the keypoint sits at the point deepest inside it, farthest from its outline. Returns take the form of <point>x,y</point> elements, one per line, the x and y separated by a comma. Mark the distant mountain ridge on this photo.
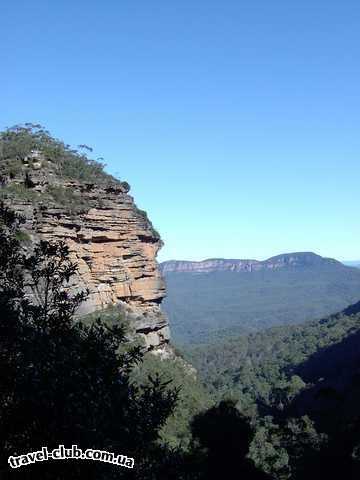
<point>296,259</point>
<point>354,263</point>
<point>220,298</point>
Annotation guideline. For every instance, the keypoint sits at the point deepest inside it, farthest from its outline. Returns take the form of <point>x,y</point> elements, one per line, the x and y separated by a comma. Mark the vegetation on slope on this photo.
<point>27,149</point>
<point>66,383</point>
<point>19,142</point>
<point>82,386</point>
<point>173,372</point>
<point>250,367</point>
<point>300,385</point>
<point>207,307</point>
<point>63,382</point>
<point>192,397</point>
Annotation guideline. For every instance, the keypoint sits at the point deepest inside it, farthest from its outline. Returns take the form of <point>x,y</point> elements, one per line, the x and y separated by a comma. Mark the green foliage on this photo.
<point>288,449</point>
<point>22,236</point>
<point>85,383</point>
<point>114,316</point>
<point>20,141</point>
<point>68,199</point>
<point>63,382</point>
<point>111,316</point>
<point>253,366</point>
<point>14,166</point>
<point>223,436</point>
<point>210,307</point>
<point>18,191</point>
<point>300,386</point>
<point>267,450</point>
<point>192,397</point>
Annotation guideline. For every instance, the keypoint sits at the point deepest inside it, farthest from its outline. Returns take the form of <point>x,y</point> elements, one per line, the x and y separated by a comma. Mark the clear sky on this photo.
<point>237,123</point>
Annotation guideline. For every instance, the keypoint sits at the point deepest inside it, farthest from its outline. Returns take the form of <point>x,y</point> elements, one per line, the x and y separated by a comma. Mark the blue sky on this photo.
<point>236,122</point>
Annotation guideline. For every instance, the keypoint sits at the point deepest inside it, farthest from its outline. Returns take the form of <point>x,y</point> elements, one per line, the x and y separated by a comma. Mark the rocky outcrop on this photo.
<point>300,259</point>
<point>205,266</point>
<point>113,243</point>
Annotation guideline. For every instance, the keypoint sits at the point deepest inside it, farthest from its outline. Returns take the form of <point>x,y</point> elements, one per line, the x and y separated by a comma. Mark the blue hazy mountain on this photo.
<point>352,263</point>
<point>219,298</point>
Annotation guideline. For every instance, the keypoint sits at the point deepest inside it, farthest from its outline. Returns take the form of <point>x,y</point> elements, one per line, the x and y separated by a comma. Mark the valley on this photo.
<point>256,359</point>
<point>217,299</point>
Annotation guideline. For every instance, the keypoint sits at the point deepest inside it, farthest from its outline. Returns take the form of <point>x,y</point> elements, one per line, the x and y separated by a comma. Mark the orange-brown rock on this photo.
<point>114,245</point>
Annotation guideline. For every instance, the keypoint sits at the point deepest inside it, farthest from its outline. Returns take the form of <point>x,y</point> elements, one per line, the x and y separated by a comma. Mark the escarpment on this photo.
<point>286,260</point>
<point>110,239</point>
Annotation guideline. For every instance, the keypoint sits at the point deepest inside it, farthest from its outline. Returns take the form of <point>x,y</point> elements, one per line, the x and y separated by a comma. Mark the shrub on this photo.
<point>18,142</point>
<point>22,236</point>
<point>67,198</point>
<point>63,382</point>
<point>19,191</point>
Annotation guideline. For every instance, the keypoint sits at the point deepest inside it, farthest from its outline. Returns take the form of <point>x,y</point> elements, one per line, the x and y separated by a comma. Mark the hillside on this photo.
<point>64,194</point>
<point>300,385</point>
<point>233,297</point>
<point>251,367</point>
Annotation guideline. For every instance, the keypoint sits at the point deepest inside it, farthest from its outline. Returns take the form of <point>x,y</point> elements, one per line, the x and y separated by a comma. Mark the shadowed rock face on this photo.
<point>113,244</point>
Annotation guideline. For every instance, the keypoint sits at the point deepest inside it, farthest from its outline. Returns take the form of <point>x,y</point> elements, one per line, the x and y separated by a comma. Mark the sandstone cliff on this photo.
<point>113,243</point>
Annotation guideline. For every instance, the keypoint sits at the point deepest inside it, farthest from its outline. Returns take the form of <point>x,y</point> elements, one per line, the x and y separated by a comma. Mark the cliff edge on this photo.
<point>113,242</point>
<point>286,260</point>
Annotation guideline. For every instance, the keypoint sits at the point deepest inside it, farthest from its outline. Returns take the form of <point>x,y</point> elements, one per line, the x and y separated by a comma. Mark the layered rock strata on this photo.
<point>112,242</point>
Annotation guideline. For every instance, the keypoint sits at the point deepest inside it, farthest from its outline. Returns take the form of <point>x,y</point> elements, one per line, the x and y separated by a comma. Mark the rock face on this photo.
<point>300,259</point>
<point>113,243</point>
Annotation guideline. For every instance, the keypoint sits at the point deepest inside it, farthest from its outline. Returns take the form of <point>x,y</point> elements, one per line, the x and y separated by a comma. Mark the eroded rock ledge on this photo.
<point>113,243</point>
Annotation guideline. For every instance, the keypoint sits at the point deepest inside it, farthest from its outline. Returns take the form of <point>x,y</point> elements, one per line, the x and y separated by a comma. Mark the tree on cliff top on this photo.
<point>22,141</point>
<point>62,382</point>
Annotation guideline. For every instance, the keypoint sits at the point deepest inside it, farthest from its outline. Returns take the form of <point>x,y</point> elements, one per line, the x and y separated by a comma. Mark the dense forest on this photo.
<point>250,366</point>
<point>84,382</point>
<point>304,378</point>
<point>278,404</point>
<point>208,307</point>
